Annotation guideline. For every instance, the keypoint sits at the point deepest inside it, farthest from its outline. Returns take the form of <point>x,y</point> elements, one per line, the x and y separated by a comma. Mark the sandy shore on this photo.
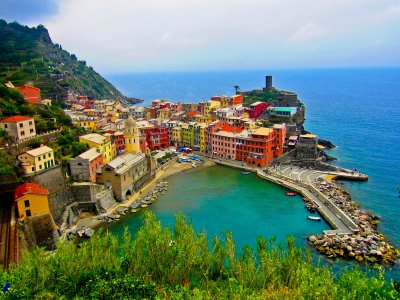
<point>172,169</point>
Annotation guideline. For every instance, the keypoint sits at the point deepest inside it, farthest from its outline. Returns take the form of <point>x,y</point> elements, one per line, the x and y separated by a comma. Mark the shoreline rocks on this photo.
<point>365,245</point>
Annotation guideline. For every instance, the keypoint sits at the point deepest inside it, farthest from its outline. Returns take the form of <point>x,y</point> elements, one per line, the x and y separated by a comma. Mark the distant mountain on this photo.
<point>27,55</point>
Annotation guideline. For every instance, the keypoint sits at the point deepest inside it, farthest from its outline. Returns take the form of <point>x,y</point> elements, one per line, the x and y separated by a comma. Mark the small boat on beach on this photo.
<point>290,193</point>
<point>245,173</point>
<point>194,166</point>
<point>318,219</point>
<point>311,207</point>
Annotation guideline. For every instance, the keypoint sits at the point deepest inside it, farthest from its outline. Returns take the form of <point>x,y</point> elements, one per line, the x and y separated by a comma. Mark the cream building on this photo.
<point>19,127</point>
<point>37,160</point>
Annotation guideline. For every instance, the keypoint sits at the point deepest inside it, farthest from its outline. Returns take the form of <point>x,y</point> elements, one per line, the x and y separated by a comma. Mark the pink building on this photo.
<point>257,109</point>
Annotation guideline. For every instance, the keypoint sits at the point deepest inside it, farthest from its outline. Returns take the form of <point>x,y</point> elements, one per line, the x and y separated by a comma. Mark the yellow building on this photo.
<point>200,137</point>
<point>188,134</point>
<point>31,200</point>
<point>210,106</point>
<point>101,142</point>
<point>37,160</point>
<point>88,124</point>
<point>202,119</point>
<point>163,113</point>
<point>176,136</point>
<point>251,124</point>
<point>132,136</point>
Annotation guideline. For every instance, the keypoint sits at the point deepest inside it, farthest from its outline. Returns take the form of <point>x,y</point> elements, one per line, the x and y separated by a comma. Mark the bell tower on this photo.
<point>132,136</point>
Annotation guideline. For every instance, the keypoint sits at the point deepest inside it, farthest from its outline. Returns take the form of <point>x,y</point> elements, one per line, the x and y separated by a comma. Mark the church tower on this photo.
<point>132,136</point>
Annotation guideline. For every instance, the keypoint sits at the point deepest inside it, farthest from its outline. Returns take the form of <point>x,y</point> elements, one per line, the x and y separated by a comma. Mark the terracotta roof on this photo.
<point>15,119</point>
<point>191,113</point>
<point>29,188</point>
<point>230,128</point>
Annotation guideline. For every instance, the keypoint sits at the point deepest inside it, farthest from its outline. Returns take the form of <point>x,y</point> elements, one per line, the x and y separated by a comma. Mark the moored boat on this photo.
<point>318,219</point>
<point>290,193</point>
<point>245,173</point>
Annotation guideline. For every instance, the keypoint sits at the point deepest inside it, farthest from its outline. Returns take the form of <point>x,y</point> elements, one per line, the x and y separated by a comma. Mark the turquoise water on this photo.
<point>357,109</point>
<point>220,198</point>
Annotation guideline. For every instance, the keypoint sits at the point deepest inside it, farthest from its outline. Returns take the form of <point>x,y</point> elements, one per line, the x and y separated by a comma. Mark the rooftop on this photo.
<point>123,163</point>
<point>90,154</point>
<point>29,188</point>
<point>39,151</point>
<point>94,137</point>
<point>15,119</point>
<point>263,131</point>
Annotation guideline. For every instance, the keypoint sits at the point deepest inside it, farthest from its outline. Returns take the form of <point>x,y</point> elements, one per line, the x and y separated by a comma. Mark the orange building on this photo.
<point>31,200</point>
<point>236,99</point>
<point>31,94</point>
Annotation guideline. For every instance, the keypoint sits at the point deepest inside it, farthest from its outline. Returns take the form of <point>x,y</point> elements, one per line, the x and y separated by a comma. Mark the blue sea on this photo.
<point>356,109</point>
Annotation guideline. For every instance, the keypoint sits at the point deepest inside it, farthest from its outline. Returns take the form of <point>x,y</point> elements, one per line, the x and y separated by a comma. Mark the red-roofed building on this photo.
<point>156,136</point>
<point>19,127</point>
<point>31,94</point>
<point>31,200</point>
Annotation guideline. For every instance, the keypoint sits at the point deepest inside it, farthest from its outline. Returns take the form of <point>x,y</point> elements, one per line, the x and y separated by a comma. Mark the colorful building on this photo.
<point>19,127</point>
<point>176,136</point>
<point>85,166</point>
<point>87,124</point>
<point>101,142</point>
<point>37,160</point>
<point>188,134</point>
<point>156,136</point>
<point>210,106</point>
<point>200,137</point>
<point>257,109</point>
<point>31,94</point>
<point>31,200</point>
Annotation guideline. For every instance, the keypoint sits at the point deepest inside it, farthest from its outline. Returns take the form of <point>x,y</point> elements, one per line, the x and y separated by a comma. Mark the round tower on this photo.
<point>132,136</point>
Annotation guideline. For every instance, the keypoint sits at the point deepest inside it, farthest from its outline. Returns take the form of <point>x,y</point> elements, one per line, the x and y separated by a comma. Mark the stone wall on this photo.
<point>51,179</point>
<point>40,231</point>
<point>58,201</point>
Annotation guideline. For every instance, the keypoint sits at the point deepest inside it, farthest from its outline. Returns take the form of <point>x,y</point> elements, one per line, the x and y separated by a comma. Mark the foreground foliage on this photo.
<point>180,264</point>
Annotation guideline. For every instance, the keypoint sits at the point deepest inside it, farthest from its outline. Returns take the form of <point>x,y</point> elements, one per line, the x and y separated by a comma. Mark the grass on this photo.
<point>164,263</point>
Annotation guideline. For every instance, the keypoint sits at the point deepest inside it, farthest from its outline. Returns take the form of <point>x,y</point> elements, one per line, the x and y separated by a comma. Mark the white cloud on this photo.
<point>307,33</point>
<point>130,35</point>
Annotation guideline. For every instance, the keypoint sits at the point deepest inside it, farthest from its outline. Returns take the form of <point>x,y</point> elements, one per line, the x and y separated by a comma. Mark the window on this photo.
<point>49,154</point>
<point>30,122</point>
<point>33,169</point>
<point>28,213</point>
<point>39,159</point>
<point>21,125</point>
<point>31,130</point>
<point>26,203</point>
<point>22,132</point>
<point>5,125</point>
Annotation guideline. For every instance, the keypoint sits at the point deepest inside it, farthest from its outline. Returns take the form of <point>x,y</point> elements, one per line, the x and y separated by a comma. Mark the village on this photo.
<point>128,148</point>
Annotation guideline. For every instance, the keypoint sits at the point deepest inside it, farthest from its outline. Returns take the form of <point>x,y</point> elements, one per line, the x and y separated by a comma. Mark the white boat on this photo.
<point>194,166</point>
<point>314,218</point>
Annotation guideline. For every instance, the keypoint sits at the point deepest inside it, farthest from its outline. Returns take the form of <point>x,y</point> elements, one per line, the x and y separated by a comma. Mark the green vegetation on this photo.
<point>177,263</point>
<point>257,95</point>
<point>27,55</point>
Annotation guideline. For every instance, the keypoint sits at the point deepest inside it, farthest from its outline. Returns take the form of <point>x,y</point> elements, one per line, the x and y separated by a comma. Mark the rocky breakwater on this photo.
<point>364,245</point>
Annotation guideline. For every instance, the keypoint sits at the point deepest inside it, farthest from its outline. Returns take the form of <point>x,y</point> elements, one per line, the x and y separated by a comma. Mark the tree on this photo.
<point>78,148</point>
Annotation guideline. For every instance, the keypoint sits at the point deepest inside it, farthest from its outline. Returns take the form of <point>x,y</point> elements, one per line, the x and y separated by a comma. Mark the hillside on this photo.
<point>29,55</point>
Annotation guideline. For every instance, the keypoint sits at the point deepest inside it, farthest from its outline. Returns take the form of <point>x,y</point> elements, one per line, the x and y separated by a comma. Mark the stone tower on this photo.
<point>132,136</point>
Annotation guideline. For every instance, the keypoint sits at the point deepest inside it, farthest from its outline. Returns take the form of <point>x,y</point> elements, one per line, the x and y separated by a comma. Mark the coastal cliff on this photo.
<point>29,55</point>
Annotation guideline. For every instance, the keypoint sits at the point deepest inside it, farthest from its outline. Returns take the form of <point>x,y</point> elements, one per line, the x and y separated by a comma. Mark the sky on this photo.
<point>118,36</point>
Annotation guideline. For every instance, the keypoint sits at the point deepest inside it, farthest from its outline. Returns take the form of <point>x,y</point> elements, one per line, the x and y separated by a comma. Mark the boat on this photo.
<point>290,193</point>
<point>311,207</point>
<point>194,166</point>
<point>318,219</point>
<point>88,232</point>
<point>246,173</point>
